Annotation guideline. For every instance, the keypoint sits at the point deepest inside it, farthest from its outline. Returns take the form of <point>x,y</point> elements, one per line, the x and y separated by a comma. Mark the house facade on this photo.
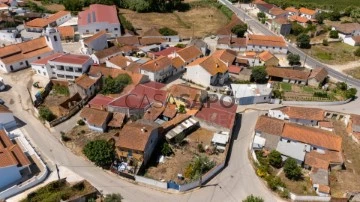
<point>99,17</point>
<point>87,85</point>
<point>96,42</point>
<point>95,119</point>
<point>299,115</point>
<point>54,20</point>
<point>158,70</point>
<point>307,13</point>
<point>274,44</point>
<point>349,32</point>
<point>62,66</point>
<point>7,119</point>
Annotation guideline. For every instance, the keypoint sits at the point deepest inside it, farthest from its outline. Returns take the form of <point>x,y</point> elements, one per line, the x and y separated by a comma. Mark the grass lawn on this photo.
<point>285,86</point>
<point>335,53</point>
<point>206,21</point>
<point>308,89</point>
<point>354,72</point>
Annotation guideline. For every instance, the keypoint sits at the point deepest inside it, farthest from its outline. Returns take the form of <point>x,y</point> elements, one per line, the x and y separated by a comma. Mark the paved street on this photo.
<point>253,23</point>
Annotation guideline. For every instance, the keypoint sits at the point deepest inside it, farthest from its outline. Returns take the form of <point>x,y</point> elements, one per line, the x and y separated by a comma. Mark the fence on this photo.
<point>309,198</point>
<point>315,103</point>
<point>162,185</point>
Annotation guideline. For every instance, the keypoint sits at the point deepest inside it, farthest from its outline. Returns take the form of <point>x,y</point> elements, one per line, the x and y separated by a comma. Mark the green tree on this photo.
<point>126,24</point>
<point>320,17</point>
<point>182,109</point>
<point>348,10</point>
<point>253,198</point>
<point>115,85</point>
<point>166,149</point>
<point>261,15</point>
<point>294,59</point>
<point>199,166</point>
<point>101,152</point>
<point>275,159</point>
<point>113,198</point>
<point>73,5</point>
<point>325,42</point>
<point>46,114</point>
<point>165,31</point>
<point>334,34</point>
<point>334,16</point>
<point>341,86</point>
<point>355,14</point>
<point>274,182</point>
<point>239,30</point>
<point>259,74</point>
<point>292,170</point>
<point>351,93</point>
<point>303,41</point>
<point>357,52</point>
<point>297,29</point>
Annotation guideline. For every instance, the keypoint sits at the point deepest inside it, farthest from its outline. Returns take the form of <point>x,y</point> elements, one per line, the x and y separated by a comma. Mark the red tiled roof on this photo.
<point>234,69</point>
<point>299,19</point>
<point>287,73</point>
<point>43,22</point>
<point>94,116</point>
<point>45,60</point>
<point>269,125</point>
<point>117,120</point>
<point>72,59</point>
<point>98,13</point>
<point>189,53</point>
<point>167,51</point>
<point>307,11</point>
<point>292,9</point>
<point>140,97</point>
<point>154,85</point>
<point>220,113</point>
<point>10,153</point>
<point>128,40</point>
<point>265,56</point>
<point>86,81</point>
<point>261,40</point>
<point>312,136</point>
<point>158,64</point>
<point>319,74</point>
<point>303,113</point>
<point>95,36</point>
<point>100,102</point>
<point>66,32</point>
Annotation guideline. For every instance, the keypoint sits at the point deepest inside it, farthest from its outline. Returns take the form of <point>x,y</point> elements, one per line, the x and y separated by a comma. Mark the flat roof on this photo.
<point>248,90</point>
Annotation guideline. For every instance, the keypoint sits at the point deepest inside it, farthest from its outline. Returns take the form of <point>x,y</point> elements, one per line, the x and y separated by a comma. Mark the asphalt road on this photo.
<point>234,183</point>
<point>253,23</point>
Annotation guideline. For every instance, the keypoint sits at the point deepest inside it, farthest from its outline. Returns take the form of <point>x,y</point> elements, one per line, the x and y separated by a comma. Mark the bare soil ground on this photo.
<point>346,180</point>
<point>206,21</point>
<point>354,72</point>
<point>53,101</point>
<point>52,6</point>
<point>81,135</point>
<point>302,187</point>
<point>177,162</point>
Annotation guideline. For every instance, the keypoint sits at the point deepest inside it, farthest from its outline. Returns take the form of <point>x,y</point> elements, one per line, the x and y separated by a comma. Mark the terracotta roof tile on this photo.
<point>324,189</point>
<point>307,11</point>
<point>167,51</point>
<point>4,109</point>
<point>177,62</point>
<point>265,56</point>
<point>158,64</point>
<point>326,124</point>
<point>66,32</point>
<point>356,39</point>
<point>94,116</point>
<point>43,22</point>
<point>117,120</point>
<point>235,69</point>
<point>323,160</point>
<point>304,113</point>
<point>300,19</point>
<point>313,136</point>
<point>292,9</point>
<point>135,136</point>
<point>136,78</point>
<point>319,74</point>
<point>170,111</point>
<point>154,112</point>
<point>276,11</point>
<point>100,102</point>
<point>261,40</point>
<point>128,40</point>
<point>86,81</point>
<point>227,56</point>
<point>269,125</point>
<point>189,53</point>
<point>10,153</point>
<point>153,31</point>
<point>120,61</point>
<point>355,118</point>
<point>186,92</point>
<point>287,73</point>
<point>76,59</point>
<point>151,41</point>
<point>95,36</point>
<point>211,64</point>
<point>114,50</point>
<point>282,21</point>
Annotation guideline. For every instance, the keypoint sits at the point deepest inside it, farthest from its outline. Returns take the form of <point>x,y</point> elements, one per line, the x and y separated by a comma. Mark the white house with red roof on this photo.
<point>62,66</point>
<point>19,56</point>
<point>99,17</point>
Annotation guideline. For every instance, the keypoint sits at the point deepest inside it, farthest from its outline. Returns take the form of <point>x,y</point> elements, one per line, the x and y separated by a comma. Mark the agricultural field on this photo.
<point>354,72</point>
<point>199,21</point>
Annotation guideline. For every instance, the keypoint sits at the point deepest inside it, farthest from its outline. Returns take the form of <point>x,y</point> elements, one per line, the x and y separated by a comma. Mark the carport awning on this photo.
<point>259,141</point>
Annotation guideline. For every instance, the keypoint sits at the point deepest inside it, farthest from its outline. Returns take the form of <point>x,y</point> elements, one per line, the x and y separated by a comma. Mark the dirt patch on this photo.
<point>182,156</point>
<point>81,135</point>
<point>51,6</point>
<point>53,102</point>
<point>344,180</point>
<point>206,21</point>
<point>354,72</point>
<point>302,187</point>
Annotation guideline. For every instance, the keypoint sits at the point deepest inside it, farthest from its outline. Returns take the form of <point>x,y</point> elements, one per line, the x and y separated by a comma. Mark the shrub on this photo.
<point>101,152</point>
<point>200,148</point>
<point>80,122</point>
<point>46,114</point>
<point>199,166</point>
<point>277,94</point>
<point>113,198</point>
<point>259,74</point>
<point>275,159</point>
<point>294,59</point>
<point>334,34</point>
<point>351,93</point>
<point>126,24</point>
<point>180,45</point>
<point>325,42</point>
<point>274,182</point>
<point>239,30</point>
<point>62,90</point>
<point>165,31</point>
<point>115,85</point>
<point>182,109</point>
<point>166,149</point>
<point>65,138</point>
<point>357,52</point>
<point>292,170</point>
<point>261,15</point>
<point>253,198</point>
<point>341,86</point>
<point>83,131</point>
<point>321,94</point>
<point>285,194</point>
<point>303,41</point>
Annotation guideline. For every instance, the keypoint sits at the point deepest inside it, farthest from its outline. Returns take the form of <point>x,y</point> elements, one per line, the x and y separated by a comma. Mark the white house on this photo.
<point>260,43</point>
<point>96,42</point>
<point>95,119</point>
<point>207,71</point>
<point>99,17</point>
<point>307,13</point>
<point>19,56</point>
<point>7,119</point>
<point>348,32</point>
<point>10,36</point>
<point>251,93</point>
<point>13,161</point>
<point>157,70</point>
<point>54,20</point>
<point>62,66</point>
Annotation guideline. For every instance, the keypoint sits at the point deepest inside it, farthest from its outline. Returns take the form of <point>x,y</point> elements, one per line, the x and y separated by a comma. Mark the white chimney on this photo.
<point>143,129</point>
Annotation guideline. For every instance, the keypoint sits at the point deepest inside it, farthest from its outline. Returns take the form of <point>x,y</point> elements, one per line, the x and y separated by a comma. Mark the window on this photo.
<point>87,31</point>
<point>47,38</point>
<point>39,57</point>
<point>55,38</point>
<point>44,73</point>
<point>21,63</point>
<point>69,77</point>
<point>107,29</point>
<point>97,30</point>
<point>39,71</point>
<point>52,66</point>
<point>70,69</point>
<point>115,29</point>
<point>60,76</point>
<point>264,98</point>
